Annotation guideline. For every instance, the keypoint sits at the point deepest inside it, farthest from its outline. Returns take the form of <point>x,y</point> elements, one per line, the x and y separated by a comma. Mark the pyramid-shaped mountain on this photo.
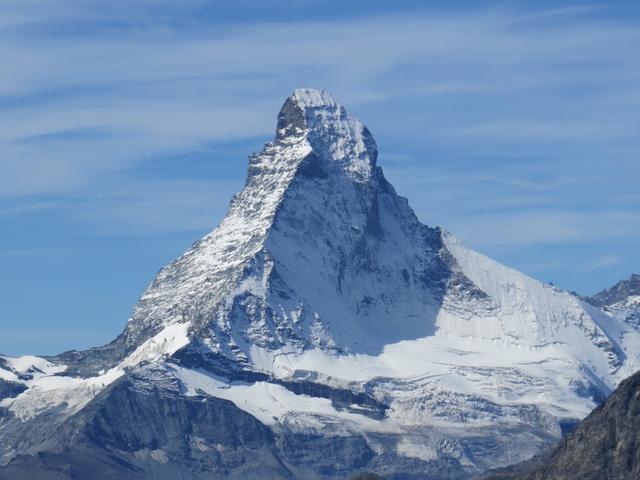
<point>321,330</point>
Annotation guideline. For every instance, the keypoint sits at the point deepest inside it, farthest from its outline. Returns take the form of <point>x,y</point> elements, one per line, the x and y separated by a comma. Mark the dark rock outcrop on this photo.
<point>619,292</point>
<point>10,389</point>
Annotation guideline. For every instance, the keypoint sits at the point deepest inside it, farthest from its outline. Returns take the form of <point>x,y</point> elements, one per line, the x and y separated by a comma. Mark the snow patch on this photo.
<point>49,389</point>
<point>272,404</point>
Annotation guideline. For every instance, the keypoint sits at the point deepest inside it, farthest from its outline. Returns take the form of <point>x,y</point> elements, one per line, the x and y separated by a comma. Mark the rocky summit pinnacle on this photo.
<point>319,331</point>
<point>315,117</point>
<point>303,246</point>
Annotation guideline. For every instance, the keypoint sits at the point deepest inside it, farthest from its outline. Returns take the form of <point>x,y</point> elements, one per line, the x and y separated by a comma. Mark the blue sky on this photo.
<point>125,128</point>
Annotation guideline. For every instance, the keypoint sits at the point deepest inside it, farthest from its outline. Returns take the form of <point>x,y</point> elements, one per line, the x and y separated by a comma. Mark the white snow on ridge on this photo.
<point>308,97</point>
<point>499,372</point>
<point>273,404</point>
<point>531,313</point>
<point>168,341</point>
<point>51,389</point>
<point>627,310</point>
<point>29,365</point>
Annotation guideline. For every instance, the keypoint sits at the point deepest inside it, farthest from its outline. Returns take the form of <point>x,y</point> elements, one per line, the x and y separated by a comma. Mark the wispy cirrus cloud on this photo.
<point>138,208</point>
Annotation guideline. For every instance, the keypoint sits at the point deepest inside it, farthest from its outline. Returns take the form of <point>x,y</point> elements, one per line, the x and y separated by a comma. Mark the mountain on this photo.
<point>621,301</point>
<point>319,332</point>
<point>603,447</point>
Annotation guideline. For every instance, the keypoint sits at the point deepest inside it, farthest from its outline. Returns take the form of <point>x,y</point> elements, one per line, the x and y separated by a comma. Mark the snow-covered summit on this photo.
<point>319,252</point>
<point>313,98</point>
<point>315,116</point>
<point>313,202</point>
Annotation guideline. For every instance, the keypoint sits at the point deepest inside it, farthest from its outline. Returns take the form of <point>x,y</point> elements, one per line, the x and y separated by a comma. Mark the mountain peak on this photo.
<point>330,130</point>
<point>313,98</point>
<point>301,109</point>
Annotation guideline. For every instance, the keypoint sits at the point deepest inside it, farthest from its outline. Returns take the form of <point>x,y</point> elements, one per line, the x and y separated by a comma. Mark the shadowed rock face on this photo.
<point>10,389</point>
<point>367,476</point>
<point>132,428</point>
<point>605,446</point>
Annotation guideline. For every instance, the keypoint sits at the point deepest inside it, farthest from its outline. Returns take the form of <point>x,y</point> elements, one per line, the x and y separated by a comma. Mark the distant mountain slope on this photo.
<point>321,330</point>
<point>605,446</point>
<point>622,300</point>
<point>618,293</point>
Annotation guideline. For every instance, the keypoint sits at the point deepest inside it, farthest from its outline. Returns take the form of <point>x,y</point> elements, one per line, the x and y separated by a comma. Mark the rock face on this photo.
<point>605,446</point>
<point>319,332</point>
<point>622,300</point>
<point>141,427</point>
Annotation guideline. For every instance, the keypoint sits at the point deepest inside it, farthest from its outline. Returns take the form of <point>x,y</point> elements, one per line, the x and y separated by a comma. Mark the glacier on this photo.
<point>321,312</point>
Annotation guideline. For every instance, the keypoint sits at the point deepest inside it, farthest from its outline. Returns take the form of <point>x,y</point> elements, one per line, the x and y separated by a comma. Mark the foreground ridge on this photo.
<point>319,331</point>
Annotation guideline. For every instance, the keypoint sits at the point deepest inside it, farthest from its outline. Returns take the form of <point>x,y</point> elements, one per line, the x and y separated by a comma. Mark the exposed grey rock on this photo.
<point>142,427</point>
<point>138,428</point>
<point>367,476</point>
<point>620,291</point>
<point>10,389</point>
<point>621,301</point>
